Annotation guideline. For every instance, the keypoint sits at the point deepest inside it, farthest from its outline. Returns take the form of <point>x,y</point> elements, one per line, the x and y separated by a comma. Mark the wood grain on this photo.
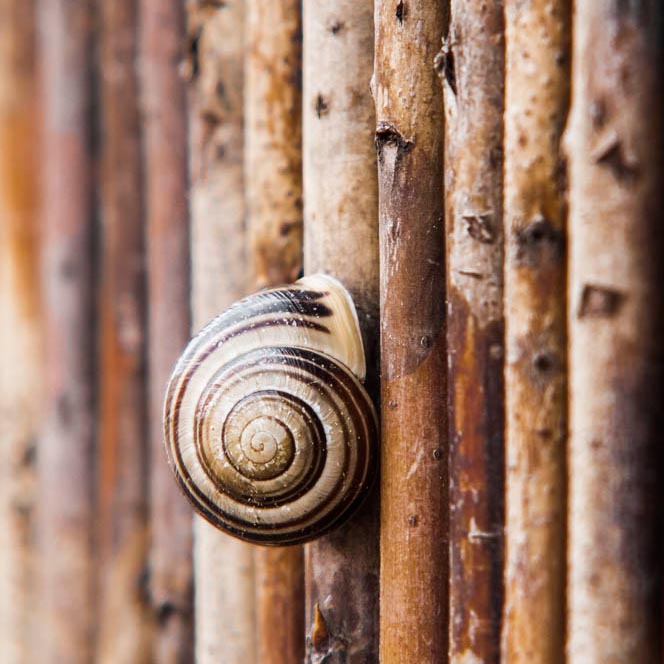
<point>341,239</point>
<point>21,341</point>
<point>225,592</point>
<point>167,218</point>
<point>124,629</point>
<point>273,186</point>
<point>471,68</point>
<point>615,145</point>
<point>536,105</point>
<point>66,445</point>
<point>409,139</point>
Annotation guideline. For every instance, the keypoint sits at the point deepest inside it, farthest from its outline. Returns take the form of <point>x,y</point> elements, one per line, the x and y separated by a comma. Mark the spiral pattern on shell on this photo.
<point>268,428</point>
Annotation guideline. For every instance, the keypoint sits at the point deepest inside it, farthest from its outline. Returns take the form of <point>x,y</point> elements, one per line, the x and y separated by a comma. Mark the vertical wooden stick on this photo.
<point>20,332</point>
<point>167,214</point>
<point>536,104</point>
<point>409,139</point>
<point>273,180</point>
<point>615,146</point>
<point>225,597</point>
<point>124,624</point>
<point>341,239</point>
<point>471,68</point>
<point>66,446</point>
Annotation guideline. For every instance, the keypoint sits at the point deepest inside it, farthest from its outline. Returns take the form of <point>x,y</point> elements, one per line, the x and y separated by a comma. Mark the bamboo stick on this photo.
<point>225,597</point>
<point>414,560</point>
<point>65,458</point>
<point>341,239</point>
<point>615,145</point>
<point>471,64</point>
<point>273,181</point>
<point>536,104</point>
<point>167,215</point>
<point>124,618</point>
<point>20,333</point>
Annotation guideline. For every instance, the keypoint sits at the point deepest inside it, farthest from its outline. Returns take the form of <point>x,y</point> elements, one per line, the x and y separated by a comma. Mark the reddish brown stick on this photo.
<point>341,239</point>
<point>536,104</point>
<point>65,459</point>
<point>273,180</point>
<point>167,215</point>
<point>225,593</point>
<point>471,67</point>
<point>409,138</point>
<point>615,146</point>
<point>124,625</point>
<point>21,360</point>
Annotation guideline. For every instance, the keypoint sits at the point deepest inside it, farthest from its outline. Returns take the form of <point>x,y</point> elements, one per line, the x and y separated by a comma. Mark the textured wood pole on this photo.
<point>615,148</point>
<point>124,623</point>
<point>273,180</point>
<point>167,215</point>
<point>20,332</point>
<point>471,68</point>
<point>409,138</point>
<point>65,458</point>
<point>341,239</point>
<point>225,596</point>
<point>537,36</point>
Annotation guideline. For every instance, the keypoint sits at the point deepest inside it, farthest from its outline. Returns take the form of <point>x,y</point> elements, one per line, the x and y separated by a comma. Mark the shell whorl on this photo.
<point>268,428</point>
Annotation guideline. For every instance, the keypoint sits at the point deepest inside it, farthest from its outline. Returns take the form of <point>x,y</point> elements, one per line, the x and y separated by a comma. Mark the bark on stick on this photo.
<point>21,361</point>
<point>273,181</point>
<point>167,215</point>
<point>341,239</point>
<point>409,139</point>
<point>471,68</point>
<point>224,567</point>
<point>615,147</point>
<point>124,628</point>
<point>536,104</point>
<point>65,459</point>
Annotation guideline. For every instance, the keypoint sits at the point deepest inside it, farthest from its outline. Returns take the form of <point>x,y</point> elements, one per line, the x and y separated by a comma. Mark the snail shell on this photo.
<point>268,428</point>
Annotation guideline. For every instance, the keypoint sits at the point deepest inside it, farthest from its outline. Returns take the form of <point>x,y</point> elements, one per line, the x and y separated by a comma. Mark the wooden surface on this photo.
<point>124,629</point>
<point>341,239</point>
<point>409,139</point>
<point>615,145</point>
<point>471,67</point>
<point>536,104</point>
<point>273,190</point>
<point>65,457</point>
<point>167,218</point>
<point>21,343</point>
<point>225,597</point>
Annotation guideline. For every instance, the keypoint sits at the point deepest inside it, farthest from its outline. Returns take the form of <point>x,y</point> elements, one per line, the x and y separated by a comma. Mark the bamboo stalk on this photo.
<point>273,181</point>
<point>471,67</point>
<point>536,104</point>
<point>615,145</point>
<point>124,622</point>
<point>341,239</point>
<point>20,333</point>
<point>65,459</point>
<point>167,214</point>
<point>224,568</point>
<point>414,560</point>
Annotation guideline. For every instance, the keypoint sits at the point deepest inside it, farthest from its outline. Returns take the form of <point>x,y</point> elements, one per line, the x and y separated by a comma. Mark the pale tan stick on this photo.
<point>537,100</point>
<point>224,568</point>
<point>273,181</point>
<point>615,147</point>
